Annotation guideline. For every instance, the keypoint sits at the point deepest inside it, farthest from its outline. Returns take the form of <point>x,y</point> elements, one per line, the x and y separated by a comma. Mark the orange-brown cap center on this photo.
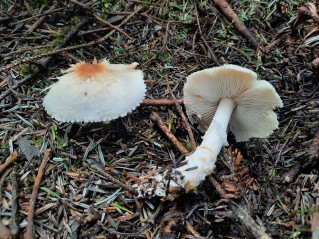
<point>88,70</point>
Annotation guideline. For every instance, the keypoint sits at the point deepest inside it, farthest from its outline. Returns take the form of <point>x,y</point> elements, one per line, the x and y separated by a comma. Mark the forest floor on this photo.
<point>275,183</point>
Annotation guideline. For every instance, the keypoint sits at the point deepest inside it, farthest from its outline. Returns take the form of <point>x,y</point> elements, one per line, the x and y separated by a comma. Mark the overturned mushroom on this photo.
<point>95,92</point>
<point>222,98</point>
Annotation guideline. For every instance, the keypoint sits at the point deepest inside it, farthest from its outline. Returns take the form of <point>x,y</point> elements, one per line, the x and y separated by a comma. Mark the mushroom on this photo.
<point>222,98</point>
<point>95,92</point>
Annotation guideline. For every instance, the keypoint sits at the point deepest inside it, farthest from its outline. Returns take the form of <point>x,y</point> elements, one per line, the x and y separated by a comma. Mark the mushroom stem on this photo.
<point>202,161</point>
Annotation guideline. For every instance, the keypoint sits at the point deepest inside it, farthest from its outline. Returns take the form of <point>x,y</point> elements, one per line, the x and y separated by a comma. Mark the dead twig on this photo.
<point>224,7</point>
<point>34,16</point>
<point>184,118</point>
<point>100,19</point>
<point>248,221</point>
<point>240,213</point>
<point>113,180</point>
<point>161,102</point>
<point>22,50</point>
<point>56,50</point>
<point>40,20</point>
<point>4,231</point>
<point>13,157</point>
<point>315,225</point>
<point>44,62</point>
<point>204,40</point>
<point>114,27</point>
<point>30,233</point>
<point>70,48</point>
<point>4,176</point>
<point>274,43</point>
<point>157,119</point>
<point>314,147</point>
<point>14,208</point>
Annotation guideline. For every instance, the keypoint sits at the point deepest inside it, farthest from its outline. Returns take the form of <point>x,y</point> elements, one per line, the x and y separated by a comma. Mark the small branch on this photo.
<point>56,50</point>
<point>14,207</point>
<point>99,18</point>
<point>315,225</point>
<point>70,48</point>
<point>240,213</point>
<point>224,7</point>
<point>274,43</point>
<point>184,118</point>
<point>114,27</point>
<point>30,232</point>
<point>248,221</point>
<point>217,186</point>
<point>314,147</point>
<point>161,102</point>
<point>157,119</point>
<point>26,19</point>
<point>113,180</point>
<point>41,19</point>
<point>4,231</point>
<point>13,157</point>
<point>3,177</point>
<point>201,34</point>
<point>45,61</point>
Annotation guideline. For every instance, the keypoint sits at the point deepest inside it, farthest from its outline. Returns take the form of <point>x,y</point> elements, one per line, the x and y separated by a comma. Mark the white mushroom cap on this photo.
<point>253,115</point>
<point>95,92</point>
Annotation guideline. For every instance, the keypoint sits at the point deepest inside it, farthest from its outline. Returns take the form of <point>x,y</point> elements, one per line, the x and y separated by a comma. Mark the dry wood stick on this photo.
<point>3,177</point>
<point>70,48</point>
<point>184,118</point>
<point>201,34</point>
<point>14,208</point>
<point>224,7</point>
<point>160,102</point>
<point>240,213</point>
<point>315,225</point>
<point>4,231</point>
<point>114,180</point>
<point>157,119</point>
<point>21,50</point>
<point>45,61</point>
<point>13,157</point>
<point>40,20</point>
<point>32,17</point>
<point>56,50</point>
<point>314,147</point>
<point>99,18</point>
<point>114,27</point>
<point>30,232</point>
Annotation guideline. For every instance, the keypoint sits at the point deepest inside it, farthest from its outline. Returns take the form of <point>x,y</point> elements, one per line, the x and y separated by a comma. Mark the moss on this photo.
<point>106,4</point>
<point>180,36</point>
<point>44,50</point>
<point>164,57</point>
<point>146,3</point>
<point>59,35</point>
<point>75,20</point>
<point>55,42</point>
<point>38,3</point>
<point>25,69</point>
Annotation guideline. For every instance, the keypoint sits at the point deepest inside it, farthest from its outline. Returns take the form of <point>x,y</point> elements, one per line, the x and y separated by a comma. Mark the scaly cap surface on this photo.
<point>95,92</point>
